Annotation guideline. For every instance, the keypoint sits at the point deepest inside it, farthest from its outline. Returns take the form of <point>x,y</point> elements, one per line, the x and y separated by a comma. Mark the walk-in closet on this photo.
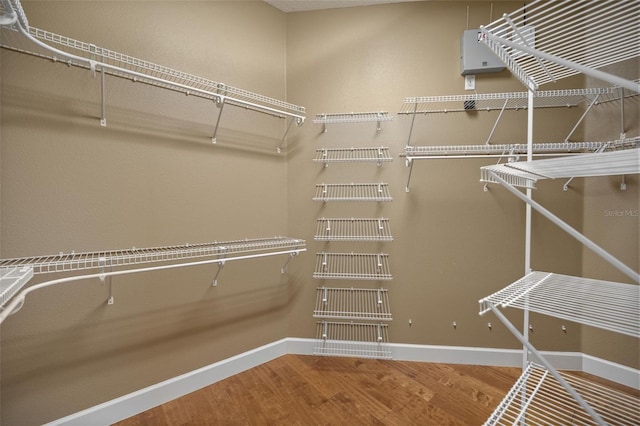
<point>320,212</point>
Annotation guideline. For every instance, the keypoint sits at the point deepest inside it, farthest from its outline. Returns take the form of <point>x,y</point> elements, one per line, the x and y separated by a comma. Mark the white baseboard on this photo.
<point>152,396</point>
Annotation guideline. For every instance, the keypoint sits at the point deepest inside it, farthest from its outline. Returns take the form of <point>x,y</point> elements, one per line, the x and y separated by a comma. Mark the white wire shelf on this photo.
<point>68,262</point>
<point>527,173</point>
<point>20,37</point>
<point>353,117</point>
<point>352,192</point>
<point>608,305</point>
<point>352,266</point>
<point>548,40</point>
<point>376,155</point>
<point>352,304</point>
<point>12,279</point>
<point>427,152</point>
<point>361,340</point>
<point>537,398</point>
<point>353,229</point>
<point>509,100</point>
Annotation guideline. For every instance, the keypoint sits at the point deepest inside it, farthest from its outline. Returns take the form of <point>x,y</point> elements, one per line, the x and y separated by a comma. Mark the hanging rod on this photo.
<point>19,36</point>
<point>172,257</point>
<point>548,40</point>
<point>604,304</point>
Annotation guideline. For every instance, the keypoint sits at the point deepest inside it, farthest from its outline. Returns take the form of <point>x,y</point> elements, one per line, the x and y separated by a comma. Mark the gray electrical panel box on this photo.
<point>476,57</point>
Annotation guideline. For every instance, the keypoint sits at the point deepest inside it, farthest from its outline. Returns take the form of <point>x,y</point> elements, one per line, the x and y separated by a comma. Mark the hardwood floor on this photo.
<point>310,390</point>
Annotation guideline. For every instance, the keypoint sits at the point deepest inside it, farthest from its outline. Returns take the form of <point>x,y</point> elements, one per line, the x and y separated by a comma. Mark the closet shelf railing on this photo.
<point>353,229</point>
<point>352,117</point>
<point>548,40</point>
<point>17,35</point>
<point>352,192</point>
<point>566,98</point>
<point>353,155</point>
<point>352,304</point>
<point>538,398</point>
<point>362,340</point>
<point>352,266</point>
<point>604,304</point>
<point>69,262</point>
<point>112,263</point>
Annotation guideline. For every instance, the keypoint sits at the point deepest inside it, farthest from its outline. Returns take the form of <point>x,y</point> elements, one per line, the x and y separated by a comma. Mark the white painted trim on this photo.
<point>160,393</point>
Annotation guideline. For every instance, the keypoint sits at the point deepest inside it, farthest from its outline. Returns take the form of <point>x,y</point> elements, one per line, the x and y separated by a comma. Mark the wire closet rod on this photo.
<point>18,301</point>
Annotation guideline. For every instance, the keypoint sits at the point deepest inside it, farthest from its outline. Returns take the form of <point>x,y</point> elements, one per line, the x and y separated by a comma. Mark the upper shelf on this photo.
<point>508,100</point>
<point>527,173</point>
<point>608,305</point>
<point>66,262</point>
<point>548,40</point>
<point>19,36</point>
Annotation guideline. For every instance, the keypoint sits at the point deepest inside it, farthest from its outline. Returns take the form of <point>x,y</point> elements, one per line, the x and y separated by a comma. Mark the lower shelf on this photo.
<point>538,398</point>
<point>360,340</point>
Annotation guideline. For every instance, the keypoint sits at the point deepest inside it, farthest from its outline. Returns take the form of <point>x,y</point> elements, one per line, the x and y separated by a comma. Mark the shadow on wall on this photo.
<point>102,337</point>
<point>24,107</point>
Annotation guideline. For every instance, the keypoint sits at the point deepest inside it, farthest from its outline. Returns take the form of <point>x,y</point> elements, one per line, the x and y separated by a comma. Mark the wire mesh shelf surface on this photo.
<point>608,305</point>
<point>352,266</point>
<point>353,229</point>
<point>548,40</point>
<point>352,304</point>
<point>58,48</point>
<point>527,173</point>
<point>12,279</point>
<point>538,398</point>
<point>352,117</point>
<point>64,262</point>
<point>507,100</point>
<point>352,192</point>
<point>362,340</point>
<point>353,155</point>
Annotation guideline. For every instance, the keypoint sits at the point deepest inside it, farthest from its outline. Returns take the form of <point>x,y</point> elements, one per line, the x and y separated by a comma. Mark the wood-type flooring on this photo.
<point>311,390</point>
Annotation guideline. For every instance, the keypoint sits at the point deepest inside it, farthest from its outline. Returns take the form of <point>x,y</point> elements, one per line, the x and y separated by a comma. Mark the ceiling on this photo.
<point>306,5</point>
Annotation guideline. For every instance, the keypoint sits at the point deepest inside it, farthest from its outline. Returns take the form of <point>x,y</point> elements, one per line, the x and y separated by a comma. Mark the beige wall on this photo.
<point>151,178</point>
<point>611,218</point>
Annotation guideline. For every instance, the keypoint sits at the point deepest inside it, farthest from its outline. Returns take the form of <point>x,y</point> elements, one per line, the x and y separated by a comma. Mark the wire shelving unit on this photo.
<point>552,39</point>
<point>376,155</point>
<point>530,399</point>
<point>352,304</point>
<point>352,192</point>
<point>352,117</point>
<point>19,36</point>
<point>105,264</point>
<point>608,305</point>
<point>353,229</point>
<point>362,340</point>
<point>527,173</point>
<point>352,266</point>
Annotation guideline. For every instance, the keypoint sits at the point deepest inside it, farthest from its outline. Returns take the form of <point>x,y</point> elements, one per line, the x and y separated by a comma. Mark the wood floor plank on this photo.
<point>310,390</point>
